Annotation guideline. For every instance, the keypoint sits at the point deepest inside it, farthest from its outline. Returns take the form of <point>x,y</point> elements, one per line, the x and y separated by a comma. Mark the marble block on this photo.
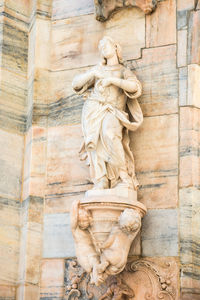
<point>160,233</point>
<point>155,149</point>
<point>185,4</point>
<point>156,33</point>
<point>67,176</point>
<point>52,278</point>
<point>82,50</point>
<point>183,86</point>
<point>12,146</point>
<point>57,237</point>
<point>193,85</point>
<point>65,9</point>
<point>159,77</point>
<point>189,146</point>
<point>182,48</point>
<point>9,242</point>
<point>190,227</point>
<point>194,38</point>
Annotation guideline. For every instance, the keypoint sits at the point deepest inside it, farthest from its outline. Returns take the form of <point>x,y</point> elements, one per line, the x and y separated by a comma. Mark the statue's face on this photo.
<point>107,49</point>
<point>84,221</point>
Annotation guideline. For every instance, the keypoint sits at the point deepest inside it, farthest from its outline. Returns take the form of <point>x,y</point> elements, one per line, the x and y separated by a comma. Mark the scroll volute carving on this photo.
<point>105,8</point>
<point>143,279</point>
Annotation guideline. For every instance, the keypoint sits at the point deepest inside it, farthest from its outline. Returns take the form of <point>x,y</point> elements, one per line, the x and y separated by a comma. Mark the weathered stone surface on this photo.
<point>193,85</point>
<point>164,240</point>
<point>185,4</point>
<point>160,92</point>
<point>52,278</point>
<point>67,176</point>
<point>31,241</point>
<point>63,9</point>
<point>183,85</point>
<point>189,242</point>
<point>27,164</point>
<point>81,50</point>
<point>155,146</point>
<point>156,23</point>
<point>182,19</point>
<point>159,76</point>
<point>43,42</point>
<point>16,71</point>
<point>194,38</point>
<point>44,8</point>
<point>57,236</point>
<point>12,146</point>
<point>190,283</point>
<point>182,48</point>
<point>22,8</point>
<point>189,147</point>
<point>28,291</point>
<point>9,239</point>
<point>7,292</point>
<point>15,48</point>
<point>190,226</point>
<point>36,181</point>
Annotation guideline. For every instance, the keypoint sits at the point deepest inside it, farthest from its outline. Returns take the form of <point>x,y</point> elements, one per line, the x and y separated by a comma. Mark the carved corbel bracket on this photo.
<point>105,8</point>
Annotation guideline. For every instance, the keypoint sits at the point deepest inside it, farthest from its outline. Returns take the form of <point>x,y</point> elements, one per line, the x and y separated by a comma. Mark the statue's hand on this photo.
<point>97,74</point>
<point>106,82</point>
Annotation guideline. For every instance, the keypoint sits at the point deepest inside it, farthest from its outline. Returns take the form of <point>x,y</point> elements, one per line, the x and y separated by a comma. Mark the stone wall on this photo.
<point>44,44</point>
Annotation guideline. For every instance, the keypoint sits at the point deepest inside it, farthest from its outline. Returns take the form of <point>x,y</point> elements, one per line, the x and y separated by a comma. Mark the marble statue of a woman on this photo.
<point>111,109</point>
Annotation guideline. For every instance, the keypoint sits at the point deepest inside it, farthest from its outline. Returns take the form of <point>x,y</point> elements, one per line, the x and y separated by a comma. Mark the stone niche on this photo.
<point>105,8</point>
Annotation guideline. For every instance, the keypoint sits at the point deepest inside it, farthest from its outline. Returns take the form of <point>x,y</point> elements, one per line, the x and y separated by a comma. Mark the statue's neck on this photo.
<point>112,61</point>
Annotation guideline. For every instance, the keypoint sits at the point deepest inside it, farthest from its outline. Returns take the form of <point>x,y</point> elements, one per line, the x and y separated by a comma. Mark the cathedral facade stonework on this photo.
<point>120,150</point>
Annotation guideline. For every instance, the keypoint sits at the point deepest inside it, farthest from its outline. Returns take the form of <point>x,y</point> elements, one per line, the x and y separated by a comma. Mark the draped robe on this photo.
<point>107,145</point>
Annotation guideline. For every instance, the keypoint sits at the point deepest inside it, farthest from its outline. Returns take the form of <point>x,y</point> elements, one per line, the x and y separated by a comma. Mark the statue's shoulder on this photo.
<point>128,73</point>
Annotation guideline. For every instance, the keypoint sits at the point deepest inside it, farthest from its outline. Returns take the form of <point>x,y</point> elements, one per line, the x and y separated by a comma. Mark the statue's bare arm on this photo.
<point>74,216</point>
<point>83,79</point>
<point>128,85</point>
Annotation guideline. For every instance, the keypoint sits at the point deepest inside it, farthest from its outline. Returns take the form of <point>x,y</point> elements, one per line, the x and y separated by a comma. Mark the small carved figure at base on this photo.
<point>118,290</point>
<point>85,250</point>
<point>115,249</point>
<point>106,257</point>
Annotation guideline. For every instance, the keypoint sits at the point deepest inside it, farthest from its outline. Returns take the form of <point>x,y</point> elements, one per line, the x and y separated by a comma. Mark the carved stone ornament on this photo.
<point>106,221</point>
<point>105,8</point>
<point>141,280</point>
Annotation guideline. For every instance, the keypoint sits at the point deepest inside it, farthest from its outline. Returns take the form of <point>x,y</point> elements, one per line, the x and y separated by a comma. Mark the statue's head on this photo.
<point>109,48</point>
<point>130,220</point>
<point>84,217</point>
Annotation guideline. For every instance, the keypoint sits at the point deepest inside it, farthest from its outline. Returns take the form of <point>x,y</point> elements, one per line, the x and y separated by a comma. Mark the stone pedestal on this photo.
<point>106,207</point>
<point>104,224</point>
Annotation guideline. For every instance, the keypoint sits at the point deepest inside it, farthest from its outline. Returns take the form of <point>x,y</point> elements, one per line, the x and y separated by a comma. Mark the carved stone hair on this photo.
<point>117,47</point>
<point>130,220</point>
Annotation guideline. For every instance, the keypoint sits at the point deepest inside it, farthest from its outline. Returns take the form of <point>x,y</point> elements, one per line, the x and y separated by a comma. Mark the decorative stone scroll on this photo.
<point>141,279</point>
<point>106,221</point>
<point>105,8</point>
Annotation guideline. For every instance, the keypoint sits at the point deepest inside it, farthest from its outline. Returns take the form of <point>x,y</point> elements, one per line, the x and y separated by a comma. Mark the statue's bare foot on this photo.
<point>97,277</point>
<point>101,268</point>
